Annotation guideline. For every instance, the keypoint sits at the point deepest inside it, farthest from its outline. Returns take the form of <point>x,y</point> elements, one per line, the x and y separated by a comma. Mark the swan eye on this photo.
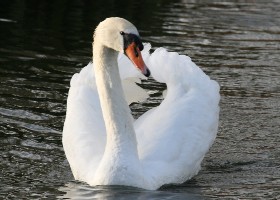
<point>122,33</point>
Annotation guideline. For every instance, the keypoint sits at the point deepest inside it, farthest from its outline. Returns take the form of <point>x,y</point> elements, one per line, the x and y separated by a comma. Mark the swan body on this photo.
<point>106,146</point>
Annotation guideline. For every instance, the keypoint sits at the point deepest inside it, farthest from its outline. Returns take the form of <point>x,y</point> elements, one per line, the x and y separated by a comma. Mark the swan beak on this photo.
<point>134,54</point>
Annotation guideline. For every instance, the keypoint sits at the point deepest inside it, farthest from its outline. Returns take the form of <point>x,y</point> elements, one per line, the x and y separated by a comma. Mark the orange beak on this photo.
<point>134,54</point>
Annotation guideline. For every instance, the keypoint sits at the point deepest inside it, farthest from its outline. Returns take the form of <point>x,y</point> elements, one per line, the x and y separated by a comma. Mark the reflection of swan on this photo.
<point>167,144</point>
<point>74,190</point>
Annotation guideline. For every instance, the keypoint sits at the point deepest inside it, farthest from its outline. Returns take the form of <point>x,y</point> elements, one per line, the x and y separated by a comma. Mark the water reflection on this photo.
<point>77,191</point>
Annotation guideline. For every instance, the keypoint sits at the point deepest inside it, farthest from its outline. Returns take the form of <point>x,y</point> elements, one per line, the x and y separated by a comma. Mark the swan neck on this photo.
<point>116,113</point>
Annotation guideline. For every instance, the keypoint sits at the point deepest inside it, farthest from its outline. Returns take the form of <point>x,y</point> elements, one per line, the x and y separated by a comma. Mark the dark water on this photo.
<point>43,43</point>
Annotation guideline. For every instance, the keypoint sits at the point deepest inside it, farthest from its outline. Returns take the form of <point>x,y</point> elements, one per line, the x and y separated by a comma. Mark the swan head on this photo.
<point>122,36</point>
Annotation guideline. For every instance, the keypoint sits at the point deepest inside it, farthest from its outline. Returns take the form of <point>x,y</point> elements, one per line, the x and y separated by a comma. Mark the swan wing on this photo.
<point>84,129</point>
<point>174,137</point>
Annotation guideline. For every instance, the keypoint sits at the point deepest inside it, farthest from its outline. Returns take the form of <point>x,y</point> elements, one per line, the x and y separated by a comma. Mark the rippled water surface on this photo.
<point>237,43</point>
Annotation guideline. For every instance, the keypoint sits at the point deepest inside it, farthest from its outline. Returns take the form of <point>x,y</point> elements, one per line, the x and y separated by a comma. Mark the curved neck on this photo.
<point>121,137</point>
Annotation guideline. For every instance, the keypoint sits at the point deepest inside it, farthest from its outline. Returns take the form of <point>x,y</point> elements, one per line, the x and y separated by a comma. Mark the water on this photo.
<point>43,43</point>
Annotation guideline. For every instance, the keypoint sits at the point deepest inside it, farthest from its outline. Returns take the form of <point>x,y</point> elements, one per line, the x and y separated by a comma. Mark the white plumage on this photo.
<point>172,139</point>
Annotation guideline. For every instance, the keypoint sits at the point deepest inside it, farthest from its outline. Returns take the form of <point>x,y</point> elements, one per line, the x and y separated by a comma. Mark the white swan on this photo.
<point>167,144</point>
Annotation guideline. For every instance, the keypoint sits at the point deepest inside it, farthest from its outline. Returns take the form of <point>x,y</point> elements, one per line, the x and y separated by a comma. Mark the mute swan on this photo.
<point>102,142</point>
